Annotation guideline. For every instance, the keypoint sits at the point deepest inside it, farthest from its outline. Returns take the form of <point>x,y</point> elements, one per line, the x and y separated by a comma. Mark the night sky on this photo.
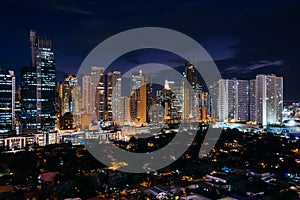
<point>243,38</point>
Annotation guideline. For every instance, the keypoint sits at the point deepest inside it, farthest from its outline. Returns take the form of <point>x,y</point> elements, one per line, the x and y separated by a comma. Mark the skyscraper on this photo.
<point>252,100</point>
<point>93,93</point>
<point>125,111</point>
<point>191,74</point>
<point>96,84</point>
<point>259,100</point>
<point>28,99</point>
<point>69,84</point>
<point>68,103</point>
<point>269,98</point>
<point>86,96</point>
<point>230,100</point>
<point>38,86</point>
<point>242,100</point>
<point>114,95</point>
<point>7,101</point>
<point>141,98</point>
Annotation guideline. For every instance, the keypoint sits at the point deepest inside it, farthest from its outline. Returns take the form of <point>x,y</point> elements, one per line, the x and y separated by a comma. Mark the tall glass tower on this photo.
<point>7,100</point>
<point>42,75</point>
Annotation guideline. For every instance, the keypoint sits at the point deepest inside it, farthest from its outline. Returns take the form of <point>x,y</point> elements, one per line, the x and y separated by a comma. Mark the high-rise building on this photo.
<point>230,100</point>
<point>101,98</point>
<point>191,74</point>
<point>68,103</point>
<point>114,95</point>
<point>86,96</point>
<point>69,84</point>
<point>172,102</point>
<point>141,98</point>
<point>93,93</point>
<point>242,100</point>
<point>252,100</point>
<point>259,100</point>
<point>125,111</point>
<point>28,99</point>
<point>269,99</point>
<point>136,80</point>
<point>156,113</point>
<point>96,84</point>
<point>193,94</point>
<point>203,102</point>
<point>190,109</point>
<point>77,101</point>
<point>7,101</point>
<point>38,86</point>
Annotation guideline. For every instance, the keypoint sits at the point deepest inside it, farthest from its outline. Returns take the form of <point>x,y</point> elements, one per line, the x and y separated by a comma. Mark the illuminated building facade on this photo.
<point>93,93</point>
<point>191,74</point>
<point>69,103</point>
<point>269,99</point>
<point>259,100</point>
<point>230,100</point>
<point>86,97</point>
<point>141,98</point>
<point>95,86</point>
<point>252,100</point>
<point>114,90</point>
<point>7,101</point>
<point>38,86</point>
<point>125,111</point>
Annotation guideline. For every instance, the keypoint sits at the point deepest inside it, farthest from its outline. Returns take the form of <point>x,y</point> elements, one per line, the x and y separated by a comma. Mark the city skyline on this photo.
<point>149,100</point>
<point>241,44</point>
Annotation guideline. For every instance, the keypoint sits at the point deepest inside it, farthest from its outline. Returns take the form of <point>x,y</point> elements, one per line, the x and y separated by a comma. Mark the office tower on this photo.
<point>114,95</point>
<point>269,99</point>
<point>38,86</point>
<point>145,100</point>
<point>190,107</point>
<point>67,121</point>
<point>156,112</point>
<point>136,80</point>
<point>190,92</point>
<point>203,102</point>
<point>69,84</point>
<point>191,74</point>
<point>141,98</point>
<point>18,111</point>
<point>172,102</point>
<point>135,84</point>
<point>28,99</point>
<point>7,101</point>
<point>230,100</point>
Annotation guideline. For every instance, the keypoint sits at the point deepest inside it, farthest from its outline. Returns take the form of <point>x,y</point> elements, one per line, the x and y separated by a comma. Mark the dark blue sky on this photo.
<point>244,38</point>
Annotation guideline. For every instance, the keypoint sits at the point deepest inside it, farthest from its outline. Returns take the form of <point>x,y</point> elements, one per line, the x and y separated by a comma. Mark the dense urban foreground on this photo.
<point>240,166</point>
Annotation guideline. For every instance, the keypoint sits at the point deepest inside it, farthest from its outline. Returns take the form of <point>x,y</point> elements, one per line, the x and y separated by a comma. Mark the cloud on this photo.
<point>265,63</point>
<point>253,67</point>
<point>73,10</point>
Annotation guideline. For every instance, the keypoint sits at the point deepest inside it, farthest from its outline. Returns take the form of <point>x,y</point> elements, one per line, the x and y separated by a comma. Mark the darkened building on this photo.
<point>191,75</point>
